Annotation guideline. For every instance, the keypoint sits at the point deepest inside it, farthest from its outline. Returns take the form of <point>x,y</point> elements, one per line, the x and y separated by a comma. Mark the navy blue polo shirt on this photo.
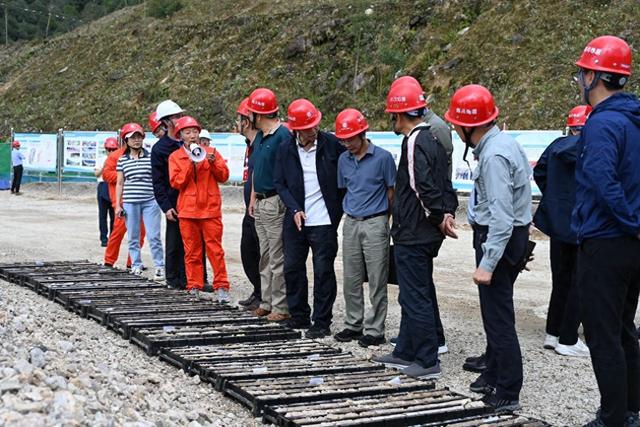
<point>264,158</point>
<point>366,180</point>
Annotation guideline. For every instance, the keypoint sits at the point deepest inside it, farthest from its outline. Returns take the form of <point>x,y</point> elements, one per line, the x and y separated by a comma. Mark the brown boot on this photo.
<point>278,317</point>
<point>261,312</point>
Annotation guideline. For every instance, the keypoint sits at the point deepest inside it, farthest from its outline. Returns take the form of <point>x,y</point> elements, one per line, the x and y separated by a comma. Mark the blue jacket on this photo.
<point>607,171</point>
<point>289,180</point>
<point>555,175</point>
<point>166,196</point>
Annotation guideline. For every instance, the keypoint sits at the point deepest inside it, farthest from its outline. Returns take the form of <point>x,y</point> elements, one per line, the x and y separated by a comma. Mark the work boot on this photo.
<point>247,302</point>
<point>480,385</point>
<point>317,332</point>
<point>368,340</point>
<point>475,364</point>
<point>501,406</point>
<point>391,361</point>
<point>296,323</point>
<point>417,371</point>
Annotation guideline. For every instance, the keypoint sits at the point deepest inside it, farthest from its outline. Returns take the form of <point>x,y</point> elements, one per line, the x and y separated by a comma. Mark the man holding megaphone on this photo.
<point>195,171</point>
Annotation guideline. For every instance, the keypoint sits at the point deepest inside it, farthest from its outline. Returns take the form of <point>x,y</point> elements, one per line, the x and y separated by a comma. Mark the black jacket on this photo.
<point>166,196</point>
<point>289,180</point>
<point>419,207</point>
<point>555,175</point>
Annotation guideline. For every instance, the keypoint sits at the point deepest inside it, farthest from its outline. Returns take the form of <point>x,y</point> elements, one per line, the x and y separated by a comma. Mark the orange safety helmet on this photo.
<point>302,114</point>
<point>111,143</point>
<point>405,97</point>
<point>186,122</point>
<point>154,123</point>
<point>15,144</point>
<point>129,129</point>
<point>262,101</point>
<point>470,106</point>
<point>578,115</point>
<point>608,54</point>
<point>243,108</point>
<point>349,123</point>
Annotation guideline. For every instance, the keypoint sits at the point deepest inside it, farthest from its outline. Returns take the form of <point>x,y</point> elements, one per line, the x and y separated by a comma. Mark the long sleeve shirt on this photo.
<point>502,191</point>
<point>166,196</point>
<point>16,157</point>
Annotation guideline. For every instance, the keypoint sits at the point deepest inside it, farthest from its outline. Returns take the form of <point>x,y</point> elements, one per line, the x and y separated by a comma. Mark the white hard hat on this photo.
<point>167,108</point>
<point>205,134</point>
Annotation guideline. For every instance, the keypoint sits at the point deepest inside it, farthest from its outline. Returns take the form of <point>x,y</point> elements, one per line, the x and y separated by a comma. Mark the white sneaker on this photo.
<point>223,296</point>
<point>136,271</point>
<point>159,275</point>
<point>550,342</point>
<point>443,349</point>
<point>579,349</point>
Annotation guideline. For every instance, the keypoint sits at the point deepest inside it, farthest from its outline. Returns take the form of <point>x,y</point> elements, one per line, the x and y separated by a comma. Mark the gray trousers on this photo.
<point>269,214</point>
<point>365,243</point>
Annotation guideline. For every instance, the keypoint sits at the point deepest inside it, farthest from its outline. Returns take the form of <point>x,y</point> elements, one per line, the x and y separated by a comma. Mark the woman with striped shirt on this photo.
<point>135,189</point>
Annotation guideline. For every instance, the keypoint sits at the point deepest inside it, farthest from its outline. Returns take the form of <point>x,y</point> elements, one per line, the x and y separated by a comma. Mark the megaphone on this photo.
<point>197,153</point>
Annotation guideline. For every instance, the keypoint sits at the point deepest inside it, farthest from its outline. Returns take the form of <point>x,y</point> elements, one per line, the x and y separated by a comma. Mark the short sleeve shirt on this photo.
<point>138,185</point>
<point>367,181</point>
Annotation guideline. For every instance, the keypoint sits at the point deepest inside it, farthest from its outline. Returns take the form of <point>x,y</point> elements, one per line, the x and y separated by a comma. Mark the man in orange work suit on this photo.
<point>199,208</point>
<point>110,176</point>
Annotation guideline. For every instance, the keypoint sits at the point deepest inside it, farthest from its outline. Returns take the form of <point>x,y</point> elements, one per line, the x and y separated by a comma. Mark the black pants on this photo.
<point>17,179</point>
<point>504,359</point>
<point>563,317</point>
<point>105,212</point>
<point>417,339</point>
<point>250,254</point>
<point>436,314</point>
<point>174,257</point>
<point>323,241</point>
<point>609,282</point>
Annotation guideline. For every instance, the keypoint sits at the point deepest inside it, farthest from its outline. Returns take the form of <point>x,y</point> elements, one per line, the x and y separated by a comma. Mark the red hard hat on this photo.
<point>154,123</point>
<point>471,105</point>
<point>405,97</point>
<point>130,129</point>
<point>302,114</point>
<point>243,108</point>
<point>111,143</point>
<point>186,122</point>
<point>578,115</point>
<point>607,53</point>
<point>263,101</point>
<point>15,144</point>
<point>405,80</point>
<point>349,123</point>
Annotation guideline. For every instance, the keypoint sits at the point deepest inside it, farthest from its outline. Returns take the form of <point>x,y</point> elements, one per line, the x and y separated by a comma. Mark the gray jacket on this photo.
<point>441,130</point>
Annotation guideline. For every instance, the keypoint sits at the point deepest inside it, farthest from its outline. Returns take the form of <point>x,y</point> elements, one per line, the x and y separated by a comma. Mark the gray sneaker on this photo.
<point>417,371</point>
<point>223,296</point>
<point>159,274</point>
<point>390,361</point>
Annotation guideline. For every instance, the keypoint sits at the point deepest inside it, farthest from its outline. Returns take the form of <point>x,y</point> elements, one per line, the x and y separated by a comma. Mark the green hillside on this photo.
<point>210,54</point>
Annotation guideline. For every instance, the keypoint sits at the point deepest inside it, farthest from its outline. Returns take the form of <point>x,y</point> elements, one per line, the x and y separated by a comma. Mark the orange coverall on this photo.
<point>110,176</point>
<point>200,214</point>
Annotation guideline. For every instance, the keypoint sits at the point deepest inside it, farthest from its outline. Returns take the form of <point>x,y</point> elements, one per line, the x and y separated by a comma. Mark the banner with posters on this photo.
<point>232,146</point>
<point>534,143</point>
<point>81,149</point>
<point>39,150</point>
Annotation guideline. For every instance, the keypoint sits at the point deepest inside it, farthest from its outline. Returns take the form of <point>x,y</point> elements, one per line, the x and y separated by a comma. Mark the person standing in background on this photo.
<point>105,209</point>
<point>16,161</point>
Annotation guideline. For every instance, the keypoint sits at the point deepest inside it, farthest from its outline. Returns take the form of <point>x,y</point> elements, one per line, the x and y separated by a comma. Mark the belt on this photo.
<point>364,218</point>
<point>485,228</point>
<point>262,196</point>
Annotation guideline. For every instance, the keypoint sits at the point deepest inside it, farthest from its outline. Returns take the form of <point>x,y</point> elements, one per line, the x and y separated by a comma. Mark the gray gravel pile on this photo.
<point>57,369</point>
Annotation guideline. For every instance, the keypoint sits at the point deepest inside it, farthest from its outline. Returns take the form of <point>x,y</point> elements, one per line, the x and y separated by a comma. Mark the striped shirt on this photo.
<point>138,186</point>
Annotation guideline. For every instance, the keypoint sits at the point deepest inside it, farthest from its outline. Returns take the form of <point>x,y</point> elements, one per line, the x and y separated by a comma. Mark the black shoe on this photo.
<point>106,264</point>
<point>296,323</point>
<point>501,406</point>
<point>316,332</point>
<point>475,364</point>
<point>255,304</point>
<point>247,302</point>
<point>347,335</point>
<point>393,341</point>
<point>367,340</point>
<point>480,385</point>
<point>103,244</point>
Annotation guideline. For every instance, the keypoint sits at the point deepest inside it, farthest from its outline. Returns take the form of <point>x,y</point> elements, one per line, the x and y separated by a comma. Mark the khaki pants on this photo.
<point>366,243</point>
<point>269,214</point>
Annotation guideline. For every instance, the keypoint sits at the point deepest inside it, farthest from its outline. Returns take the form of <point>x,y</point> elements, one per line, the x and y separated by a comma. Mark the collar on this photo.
<point>274,129</point>
<point>370,150</point>
<point>428,114</point>
<point>495,130</point>
<point>313,148</point>
<point>418,127</point>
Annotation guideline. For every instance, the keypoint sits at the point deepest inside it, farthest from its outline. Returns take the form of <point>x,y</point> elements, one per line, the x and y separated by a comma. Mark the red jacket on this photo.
<point>109,173</point>
<point>198,184</point>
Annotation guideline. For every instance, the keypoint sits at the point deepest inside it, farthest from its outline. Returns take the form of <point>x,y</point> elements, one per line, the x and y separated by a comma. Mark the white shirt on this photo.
<point>100,165</point>
<point>314,207</point>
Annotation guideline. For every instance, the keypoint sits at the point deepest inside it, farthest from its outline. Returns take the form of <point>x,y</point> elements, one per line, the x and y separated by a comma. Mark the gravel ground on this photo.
<point>58,369</point>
